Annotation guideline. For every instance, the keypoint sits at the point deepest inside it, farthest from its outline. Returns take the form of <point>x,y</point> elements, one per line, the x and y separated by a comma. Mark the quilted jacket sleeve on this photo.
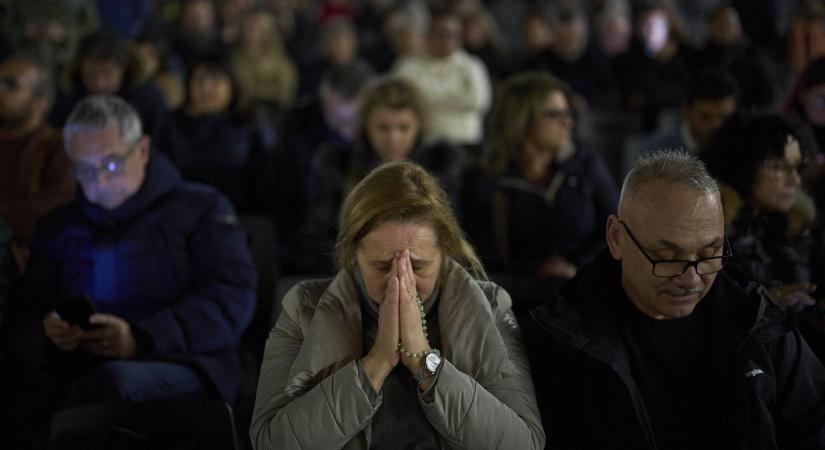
<point>328,415</point>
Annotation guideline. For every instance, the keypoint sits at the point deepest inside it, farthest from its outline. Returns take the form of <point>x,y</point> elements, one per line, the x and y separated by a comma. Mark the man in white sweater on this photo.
<point>455,83</point>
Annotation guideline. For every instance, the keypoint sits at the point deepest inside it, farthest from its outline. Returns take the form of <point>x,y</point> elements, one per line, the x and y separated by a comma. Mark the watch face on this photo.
<point>432,361</point>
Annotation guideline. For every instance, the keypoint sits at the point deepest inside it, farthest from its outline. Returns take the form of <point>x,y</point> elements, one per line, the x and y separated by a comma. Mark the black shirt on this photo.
<point>673,368</point>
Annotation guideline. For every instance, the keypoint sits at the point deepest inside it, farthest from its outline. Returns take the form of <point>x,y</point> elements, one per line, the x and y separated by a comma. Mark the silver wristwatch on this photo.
<point>432,363</point>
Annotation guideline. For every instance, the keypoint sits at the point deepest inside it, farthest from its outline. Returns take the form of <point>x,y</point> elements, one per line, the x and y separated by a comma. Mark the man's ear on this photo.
<point>615,235</point>
<point>144,146</point>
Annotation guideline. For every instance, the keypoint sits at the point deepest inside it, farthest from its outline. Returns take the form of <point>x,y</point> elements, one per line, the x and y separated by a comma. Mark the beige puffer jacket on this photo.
<point>310,394</point>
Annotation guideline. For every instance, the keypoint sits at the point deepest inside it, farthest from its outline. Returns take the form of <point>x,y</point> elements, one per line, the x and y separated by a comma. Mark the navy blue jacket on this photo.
<point>770,390</point>
<point>172,261</point>
<point>222,150</point>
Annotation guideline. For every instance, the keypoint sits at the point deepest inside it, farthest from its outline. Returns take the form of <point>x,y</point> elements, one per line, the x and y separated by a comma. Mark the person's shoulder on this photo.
<point>51,134</point>
<point>492,291</point>
<point>61,217</point>
<point>465,57</point>
<point>202,195</point>
<point>303,296</point>
<point>736,291</point>
<point>191,202</point>
<point>585,161</point>
<point>61,221</point>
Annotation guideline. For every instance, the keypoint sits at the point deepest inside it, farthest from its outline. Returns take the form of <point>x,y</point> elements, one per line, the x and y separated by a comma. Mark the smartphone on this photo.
<point>76,311</point>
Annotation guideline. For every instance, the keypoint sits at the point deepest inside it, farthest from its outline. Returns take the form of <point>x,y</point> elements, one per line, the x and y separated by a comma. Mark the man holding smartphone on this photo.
<point>163,262</point>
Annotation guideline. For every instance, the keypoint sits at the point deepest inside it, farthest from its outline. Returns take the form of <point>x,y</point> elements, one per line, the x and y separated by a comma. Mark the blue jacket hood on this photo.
<point>161,179</point>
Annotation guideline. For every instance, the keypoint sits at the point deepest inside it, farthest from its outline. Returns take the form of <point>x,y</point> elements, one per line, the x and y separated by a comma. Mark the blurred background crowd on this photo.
<point>529,112</point>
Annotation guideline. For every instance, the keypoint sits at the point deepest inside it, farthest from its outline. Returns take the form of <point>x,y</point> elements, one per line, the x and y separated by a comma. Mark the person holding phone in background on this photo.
<point>164,263</point>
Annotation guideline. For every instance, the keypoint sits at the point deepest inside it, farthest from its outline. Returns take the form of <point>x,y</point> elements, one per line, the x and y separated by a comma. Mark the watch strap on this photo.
<point>425,373</point>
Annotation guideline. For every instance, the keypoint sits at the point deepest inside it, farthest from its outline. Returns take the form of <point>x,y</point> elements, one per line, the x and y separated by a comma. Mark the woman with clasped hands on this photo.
<point>406,347</point>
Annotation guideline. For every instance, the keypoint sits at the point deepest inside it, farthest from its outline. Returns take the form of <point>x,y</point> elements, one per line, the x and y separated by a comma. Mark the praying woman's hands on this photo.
<point>384,356</point>
<point>411,318</point>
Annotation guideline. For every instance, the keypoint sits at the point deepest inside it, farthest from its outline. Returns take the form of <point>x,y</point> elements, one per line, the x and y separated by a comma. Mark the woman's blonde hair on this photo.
<point>395,93</point>
<point>517,105</point>
<point>404,192</point>
<point>271,36</point>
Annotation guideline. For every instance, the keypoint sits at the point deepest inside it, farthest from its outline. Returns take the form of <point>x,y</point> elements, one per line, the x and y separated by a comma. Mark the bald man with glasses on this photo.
<point>656,345</point>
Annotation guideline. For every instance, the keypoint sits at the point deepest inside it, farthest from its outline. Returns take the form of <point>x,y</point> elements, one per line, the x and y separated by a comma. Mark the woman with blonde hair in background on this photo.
<point>392,123</point>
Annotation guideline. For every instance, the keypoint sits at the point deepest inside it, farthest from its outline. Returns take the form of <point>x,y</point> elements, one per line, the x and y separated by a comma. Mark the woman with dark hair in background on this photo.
<point>540,209</point>
<point>757,158</point>
<point>212,143</point>
<point>101,67</point>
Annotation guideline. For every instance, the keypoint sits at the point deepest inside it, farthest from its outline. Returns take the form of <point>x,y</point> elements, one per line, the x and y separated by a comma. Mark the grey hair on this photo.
<point>669,166</point>
<point>99,112</point>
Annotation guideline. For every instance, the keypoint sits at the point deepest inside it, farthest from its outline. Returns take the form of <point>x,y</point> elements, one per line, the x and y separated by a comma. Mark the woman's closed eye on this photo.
<point>382,267</point>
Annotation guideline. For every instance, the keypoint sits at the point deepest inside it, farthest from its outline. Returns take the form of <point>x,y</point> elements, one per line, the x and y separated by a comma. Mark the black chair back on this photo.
<point>156,425</point>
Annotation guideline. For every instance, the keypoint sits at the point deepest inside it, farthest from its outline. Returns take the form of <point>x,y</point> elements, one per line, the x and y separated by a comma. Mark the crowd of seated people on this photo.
<point>277,109</point>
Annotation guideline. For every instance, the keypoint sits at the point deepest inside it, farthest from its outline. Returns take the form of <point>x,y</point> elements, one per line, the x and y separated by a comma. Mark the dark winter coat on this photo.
<point>223,151</point>
<point>172,261</point>
<point>519,224</point>
<point>770,391</point>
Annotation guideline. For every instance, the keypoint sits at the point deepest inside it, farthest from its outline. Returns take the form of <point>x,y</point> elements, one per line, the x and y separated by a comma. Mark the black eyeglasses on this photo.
<point>781,167</point>
<point>669,268</point>
<point>9,84</point>
<point>111,166</point>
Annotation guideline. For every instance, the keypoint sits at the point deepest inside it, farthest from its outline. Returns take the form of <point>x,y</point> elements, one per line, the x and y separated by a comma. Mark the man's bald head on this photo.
<point>668,167</point>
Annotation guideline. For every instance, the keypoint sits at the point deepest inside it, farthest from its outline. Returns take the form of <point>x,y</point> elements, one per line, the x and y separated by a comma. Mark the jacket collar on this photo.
<point>161,178</point>
<point>334,335</point>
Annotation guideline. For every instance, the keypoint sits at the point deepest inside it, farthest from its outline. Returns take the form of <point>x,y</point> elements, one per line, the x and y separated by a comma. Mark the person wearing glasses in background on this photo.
<point>163,262</point>
<point>656,345</point>
<point>538,208</point>
<point>759,158</point>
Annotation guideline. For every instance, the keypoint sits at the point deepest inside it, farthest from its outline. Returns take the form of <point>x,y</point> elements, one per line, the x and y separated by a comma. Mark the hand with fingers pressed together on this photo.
<point>412,324</point>
<point>401,332</point>
<point>408,285</point>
